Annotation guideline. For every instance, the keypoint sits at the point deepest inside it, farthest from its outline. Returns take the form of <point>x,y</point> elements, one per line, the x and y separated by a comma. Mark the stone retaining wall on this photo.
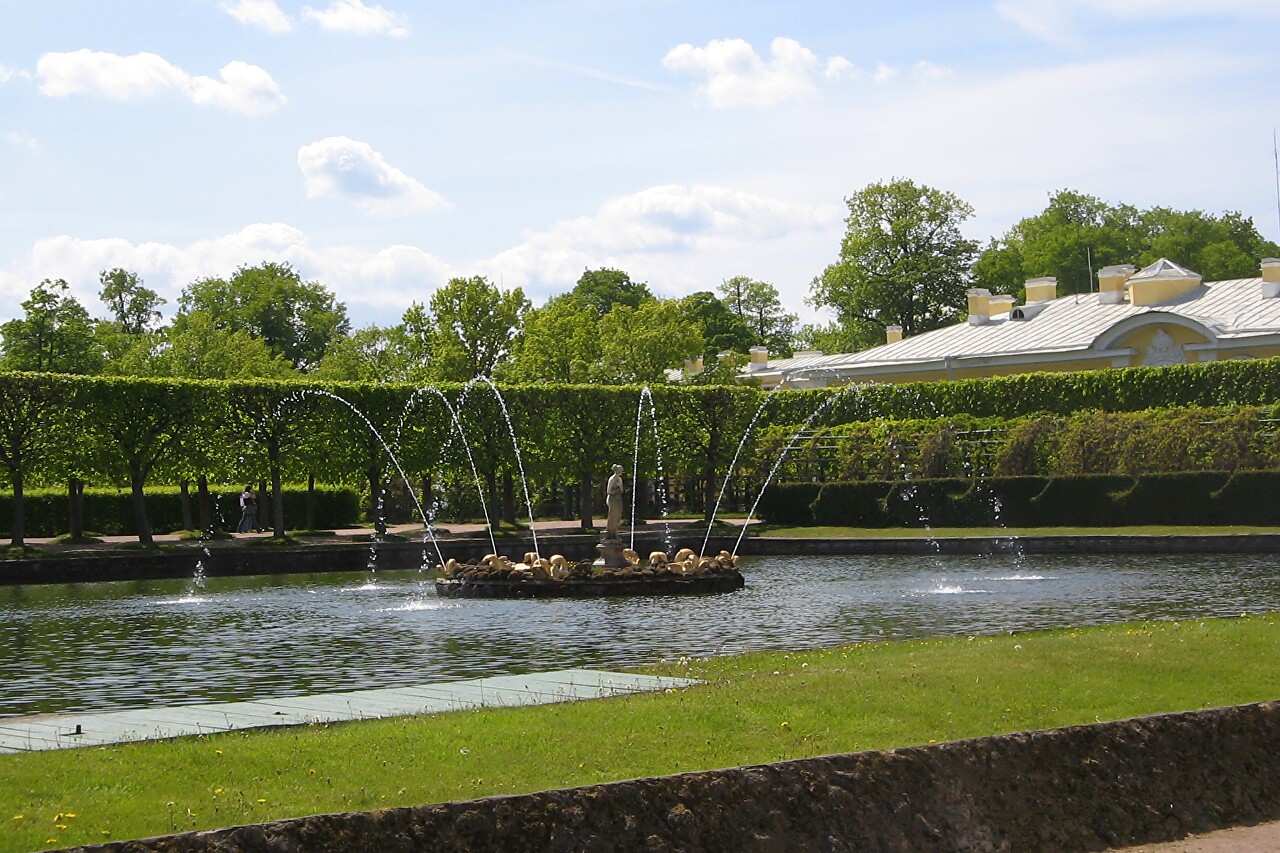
<point>1072,789</point>
<point>330,557</point>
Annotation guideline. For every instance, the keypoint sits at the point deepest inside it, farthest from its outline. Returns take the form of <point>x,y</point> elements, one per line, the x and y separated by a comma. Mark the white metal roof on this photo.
<point>1227,310</point>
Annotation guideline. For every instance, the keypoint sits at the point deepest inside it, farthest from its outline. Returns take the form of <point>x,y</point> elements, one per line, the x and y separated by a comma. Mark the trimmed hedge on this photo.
<point>1090,500</point>
<point>110,512</point>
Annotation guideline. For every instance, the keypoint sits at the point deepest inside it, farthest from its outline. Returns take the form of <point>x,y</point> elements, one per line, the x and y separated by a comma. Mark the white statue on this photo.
<point>613,498</point>
<point>1164,350</point>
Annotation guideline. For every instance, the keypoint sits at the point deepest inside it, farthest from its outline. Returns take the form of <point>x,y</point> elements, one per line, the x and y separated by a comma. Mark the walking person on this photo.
<point>248,511</point>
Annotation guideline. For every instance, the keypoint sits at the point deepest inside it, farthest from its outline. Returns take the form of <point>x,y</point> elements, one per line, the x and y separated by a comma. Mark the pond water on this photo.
<point>118,645</point>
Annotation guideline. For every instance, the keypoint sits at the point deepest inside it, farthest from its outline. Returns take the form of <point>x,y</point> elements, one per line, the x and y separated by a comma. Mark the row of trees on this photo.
<point>266,322</point>
<point>128,432</point>
<point>73,430</point>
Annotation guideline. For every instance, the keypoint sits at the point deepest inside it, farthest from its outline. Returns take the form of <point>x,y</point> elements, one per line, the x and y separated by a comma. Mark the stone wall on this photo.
<point>1072,789</point>
<point>333,556</point>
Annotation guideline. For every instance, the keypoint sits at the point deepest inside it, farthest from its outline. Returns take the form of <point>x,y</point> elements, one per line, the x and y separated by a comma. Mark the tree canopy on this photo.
<point>1077,234</point>
<point>53,335</point>
<point>296,319</point>
<point>604,288</point>
<point>903,261</point>
<point>473,327</point>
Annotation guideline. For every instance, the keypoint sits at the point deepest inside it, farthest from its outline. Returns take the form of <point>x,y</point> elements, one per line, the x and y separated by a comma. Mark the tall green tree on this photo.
<point>639,344</point>
<point>722,329</point>
<point>473,328</point>
<point>759,306</point>
<point>560,343</point>
<point>135,309</point>
<point>296,319</point>
<point>903,261</point>
<point>142,422</point>
<point>602,289</point>
<point>32,431</point>
<point>200,348</point>
<point>375,354</point>
<point>53,335</point>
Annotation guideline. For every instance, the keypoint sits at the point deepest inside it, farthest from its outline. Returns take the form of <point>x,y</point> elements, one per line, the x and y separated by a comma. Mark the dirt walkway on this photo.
<point>1263,838</point>
<point>408,531</point>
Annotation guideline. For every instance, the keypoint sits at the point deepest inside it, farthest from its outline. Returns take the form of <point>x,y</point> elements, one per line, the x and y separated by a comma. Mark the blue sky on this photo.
<point>382,148</point>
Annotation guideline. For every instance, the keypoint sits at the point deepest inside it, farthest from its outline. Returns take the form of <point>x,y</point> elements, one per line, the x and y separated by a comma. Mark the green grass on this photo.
<point>754,708</point>
<point>766,530</point>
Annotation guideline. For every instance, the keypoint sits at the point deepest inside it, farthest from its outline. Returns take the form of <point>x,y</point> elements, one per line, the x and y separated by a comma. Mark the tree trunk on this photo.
<point>495,505</point>
<point>75,507</point>
<point>19,510</point>
<point>264,504</point>
<point>136,482</point>
<point>202,503</point>
<point>375,498</point>
<point>509,499</point>
<point>277,493</point>
<point>184,498</point>
<point>584,509</point>
<point>709,482</point>
<point>311,501</point>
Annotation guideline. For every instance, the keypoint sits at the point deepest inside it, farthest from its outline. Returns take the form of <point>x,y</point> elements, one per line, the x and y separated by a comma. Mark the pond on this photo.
<point>130,644</point>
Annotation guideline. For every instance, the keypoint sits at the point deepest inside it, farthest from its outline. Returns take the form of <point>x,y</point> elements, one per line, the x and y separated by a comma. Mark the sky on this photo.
<point>382,148</point>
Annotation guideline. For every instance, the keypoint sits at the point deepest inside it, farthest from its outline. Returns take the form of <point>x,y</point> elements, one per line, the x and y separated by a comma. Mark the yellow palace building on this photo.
<point>1163,314</point>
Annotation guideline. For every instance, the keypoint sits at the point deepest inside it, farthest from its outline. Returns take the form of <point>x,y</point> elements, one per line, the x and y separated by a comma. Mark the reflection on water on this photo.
<point>129,644</point>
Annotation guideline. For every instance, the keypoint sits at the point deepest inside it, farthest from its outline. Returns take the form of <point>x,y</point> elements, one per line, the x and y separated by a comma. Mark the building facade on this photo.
<point>1163,314</point>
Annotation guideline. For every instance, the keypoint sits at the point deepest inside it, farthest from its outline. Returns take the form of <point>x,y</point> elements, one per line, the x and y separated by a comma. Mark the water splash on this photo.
<point>515,446</point>
<point>455,417</point>
<point>795,437</point>
<point>734,464</point>
<point>391,455</point>
<point>635,469</point>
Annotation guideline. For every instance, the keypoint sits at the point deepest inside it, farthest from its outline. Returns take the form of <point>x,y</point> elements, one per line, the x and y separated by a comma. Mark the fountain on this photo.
<point>618,571</point>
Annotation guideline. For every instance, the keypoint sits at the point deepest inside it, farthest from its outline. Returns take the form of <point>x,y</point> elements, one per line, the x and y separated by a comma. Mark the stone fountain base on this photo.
<point>609,583</point>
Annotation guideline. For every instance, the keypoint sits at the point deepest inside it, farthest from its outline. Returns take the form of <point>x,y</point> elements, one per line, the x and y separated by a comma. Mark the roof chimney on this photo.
<point>979,306</point>
<point>692,366</point>
<point>1160,282</point>
<point>1043,289</point>
<point>892,334</point>
<point>1111,283</point>
<point>1270,278</point>
<point>759,357</point>
<point>1001,303</point>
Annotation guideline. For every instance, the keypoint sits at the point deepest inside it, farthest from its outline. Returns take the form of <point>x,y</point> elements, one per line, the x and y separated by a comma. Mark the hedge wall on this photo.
<point>1090,500</point>
<point>109,512</point>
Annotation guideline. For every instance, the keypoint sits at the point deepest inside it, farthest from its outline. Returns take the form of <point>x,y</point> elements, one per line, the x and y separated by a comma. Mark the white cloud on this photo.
<point>839,68</point>
<point>20,139</point>
<point>352,16</point>
<point>884,73</point>
<point>657,228</point>
<point>243,88</point>
<point>87,72</point>
<point>383,281</point>
<point>6,74</point>
<point>263,14</point>
<point>346,169</point>
<point>736,76</point>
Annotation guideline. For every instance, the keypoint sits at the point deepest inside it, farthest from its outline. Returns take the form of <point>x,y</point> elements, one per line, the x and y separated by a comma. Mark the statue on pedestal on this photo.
<point>614,492</point>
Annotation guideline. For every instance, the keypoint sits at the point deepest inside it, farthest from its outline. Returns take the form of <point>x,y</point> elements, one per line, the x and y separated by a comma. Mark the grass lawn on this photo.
<point>765,530</point>
<point>754,708</point>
